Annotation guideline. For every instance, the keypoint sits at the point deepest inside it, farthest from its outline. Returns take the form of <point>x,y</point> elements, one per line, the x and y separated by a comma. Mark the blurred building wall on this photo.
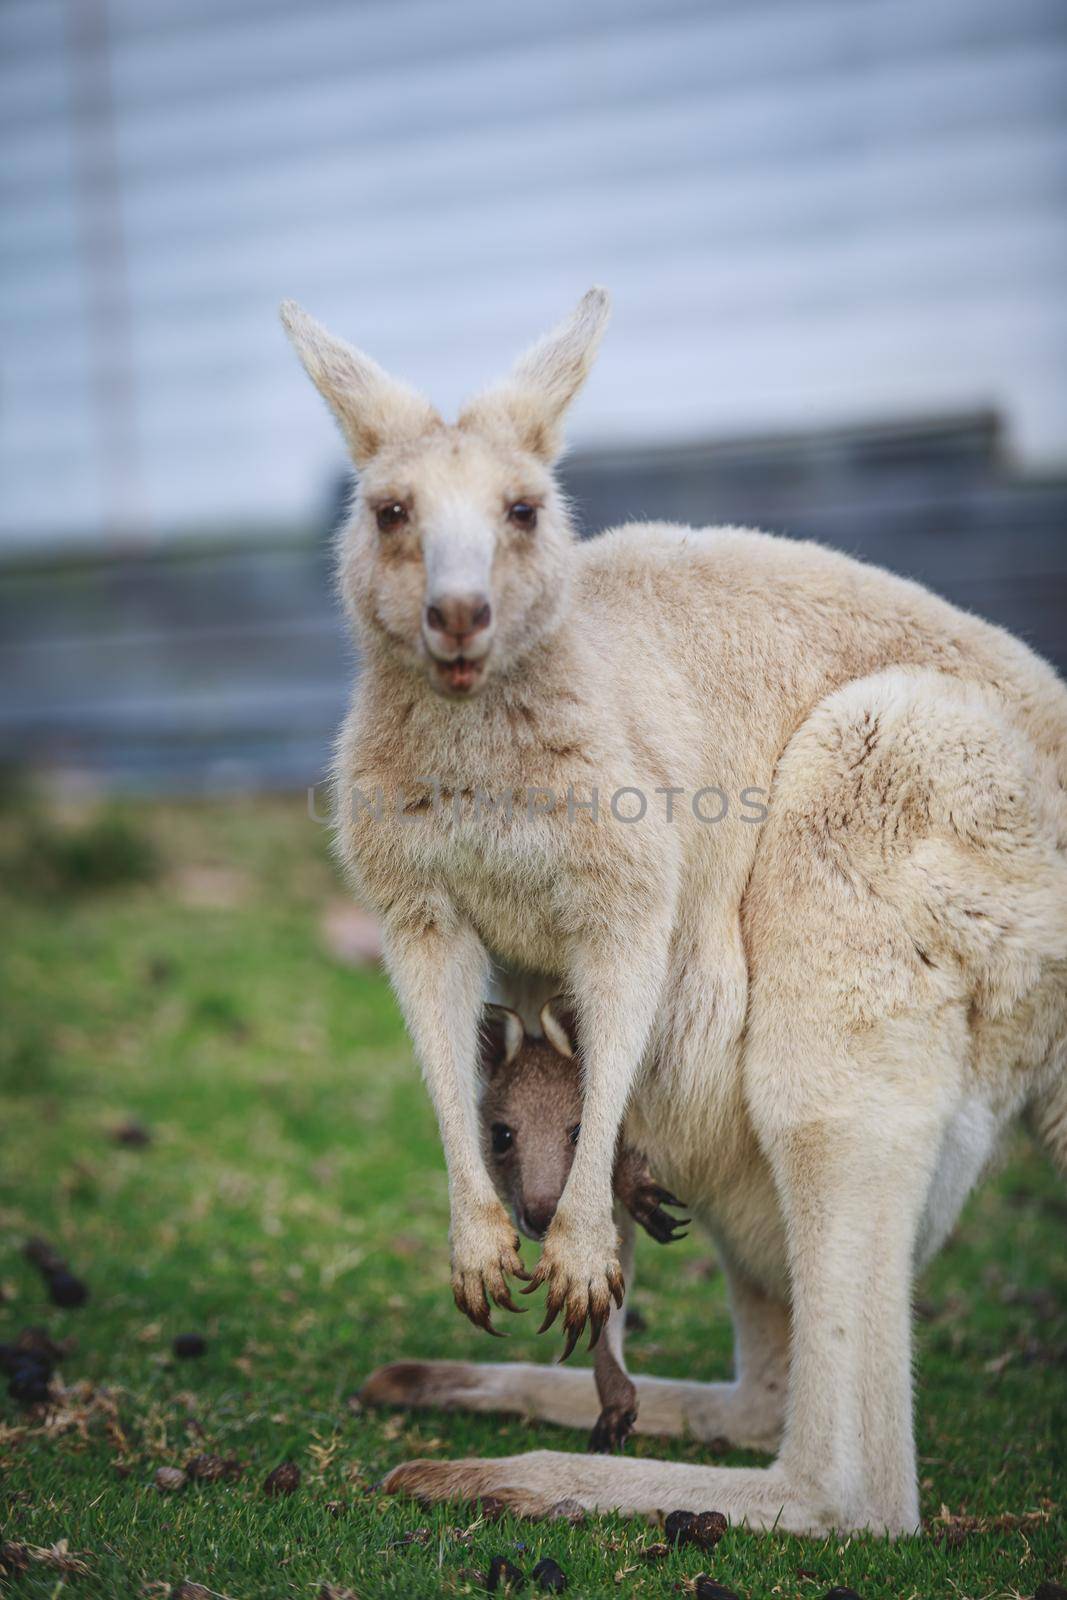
<point>203,667</point>
<point>811,213</point>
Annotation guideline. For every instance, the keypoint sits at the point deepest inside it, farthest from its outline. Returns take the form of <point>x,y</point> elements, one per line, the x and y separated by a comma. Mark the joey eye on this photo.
<point>391,515</point>
<point>523,515</point>
<point>572,1133</point>
<point>502,1138</point>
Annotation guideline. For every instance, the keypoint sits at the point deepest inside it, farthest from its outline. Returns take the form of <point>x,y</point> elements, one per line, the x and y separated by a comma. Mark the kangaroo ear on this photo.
<point>560,1026</point>
<point>371,407</point>
<point>531,403</point>
<point>501,1036</point>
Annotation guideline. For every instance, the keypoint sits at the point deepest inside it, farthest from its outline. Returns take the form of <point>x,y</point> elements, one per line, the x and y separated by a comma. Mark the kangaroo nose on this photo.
<point>538,1215</point>
<point>459,615</point>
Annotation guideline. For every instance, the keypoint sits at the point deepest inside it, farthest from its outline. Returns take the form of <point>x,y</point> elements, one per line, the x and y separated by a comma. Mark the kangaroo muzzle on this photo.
<point>458,631</point>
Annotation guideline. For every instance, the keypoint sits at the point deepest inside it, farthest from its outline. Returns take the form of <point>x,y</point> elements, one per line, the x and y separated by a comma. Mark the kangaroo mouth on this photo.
<point>459,677</point>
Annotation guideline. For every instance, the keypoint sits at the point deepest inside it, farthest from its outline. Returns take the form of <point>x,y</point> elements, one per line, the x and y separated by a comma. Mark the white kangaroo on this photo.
<point>816,1028</point>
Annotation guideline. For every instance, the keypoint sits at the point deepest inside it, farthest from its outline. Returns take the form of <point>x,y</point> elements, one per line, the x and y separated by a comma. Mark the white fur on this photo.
<point>817,1027</point>
<point>458,553</point>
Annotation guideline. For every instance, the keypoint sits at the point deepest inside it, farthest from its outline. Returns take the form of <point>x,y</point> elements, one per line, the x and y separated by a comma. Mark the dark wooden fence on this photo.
<point>203,668</point>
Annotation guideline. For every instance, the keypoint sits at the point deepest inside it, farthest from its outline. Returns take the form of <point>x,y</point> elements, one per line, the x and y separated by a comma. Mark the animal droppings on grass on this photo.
<point>37,1342</point>
<point>1050,1591</point>
<point>187,1346</point>
<point>64,1289</point>
<point>170,1480</point>
<point>159,970</point>
<point>503,1576</point>
<point>211,1469</point>
<point>675,1526</point>
<point>40,1254</point>
<point>703,1529</point>
<point>705,1588</point>
<point>29,1381</point>
<point>549,1577</point>
<point>839,1593</point>
<point>29,1363</point>
<point>284,1479</point>
<point>132,1133</point>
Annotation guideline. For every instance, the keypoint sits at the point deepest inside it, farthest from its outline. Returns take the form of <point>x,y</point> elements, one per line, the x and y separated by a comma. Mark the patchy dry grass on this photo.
<point>291,1207</point>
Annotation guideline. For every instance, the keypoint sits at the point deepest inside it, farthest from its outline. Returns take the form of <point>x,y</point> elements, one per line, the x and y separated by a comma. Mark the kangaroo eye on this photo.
<point>391,515</point>
<point>574,1132</point>
<point>523,515</point>
<point>502,1138</point>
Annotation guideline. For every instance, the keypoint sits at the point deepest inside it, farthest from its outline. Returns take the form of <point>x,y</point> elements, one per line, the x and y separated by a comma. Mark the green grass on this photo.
<point>292,1207</point>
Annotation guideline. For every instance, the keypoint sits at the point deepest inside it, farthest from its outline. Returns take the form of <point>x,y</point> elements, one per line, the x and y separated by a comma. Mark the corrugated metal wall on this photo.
<point>810,211</point>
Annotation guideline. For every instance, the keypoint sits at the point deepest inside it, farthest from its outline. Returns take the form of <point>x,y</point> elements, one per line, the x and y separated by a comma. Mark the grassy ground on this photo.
<point>291,1207</point>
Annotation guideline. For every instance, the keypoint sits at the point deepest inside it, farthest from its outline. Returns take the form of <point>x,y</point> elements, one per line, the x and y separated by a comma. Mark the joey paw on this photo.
<point>646,1204</point>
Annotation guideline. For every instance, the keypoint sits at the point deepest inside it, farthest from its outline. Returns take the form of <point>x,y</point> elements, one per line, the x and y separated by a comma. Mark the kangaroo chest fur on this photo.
<point>506,888</point>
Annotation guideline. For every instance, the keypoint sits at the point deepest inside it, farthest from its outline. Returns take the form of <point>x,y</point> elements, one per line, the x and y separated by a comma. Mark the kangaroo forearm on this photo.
<point>617,992</point>
<point>439,973</point>
<point>439,969</point>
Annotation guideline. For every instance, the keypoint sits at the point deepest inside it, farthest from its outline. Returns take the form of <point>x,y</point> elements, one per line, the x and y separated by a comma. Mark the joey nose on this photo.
<point>459,616</point>
<point>538,1215</point>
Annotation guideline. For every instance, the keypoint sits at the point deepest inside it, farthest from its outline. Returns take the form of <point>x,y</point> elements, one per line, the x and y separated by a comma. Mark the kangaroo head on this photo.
<point>531,1111</point>
<point>456,554</point>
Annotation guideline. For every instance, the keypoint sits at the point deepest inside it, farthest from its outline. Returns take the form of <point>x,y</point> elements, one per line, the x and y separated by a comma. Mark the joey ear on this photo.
<point>559,1025</point>
<point>501,1038</point>
<point>530,404</point>
<point>371,407</point>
